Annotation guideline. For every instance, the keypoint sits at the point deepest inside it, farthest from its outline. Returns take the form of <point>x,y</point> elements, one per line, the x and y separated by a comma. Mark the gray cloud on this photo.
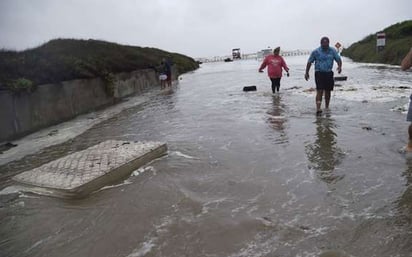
<point>197,28</point>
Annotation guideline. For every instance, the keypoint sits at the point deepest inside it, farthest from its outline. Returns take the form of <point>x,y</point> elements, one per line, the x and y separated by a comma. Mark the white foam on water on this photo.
<point>10,190</point>
<point>252,209</point>
<point>20,190</point>
<point>142,170</point>
<point>152,239</point>
<point>29,196</point>
<point>256,249</point>
<point>226,146</point>
<point>315,232</point>
<point>366,82</point>
<point>360,93</point>
<point>293,199</point>
<point>366,213</point>
<point>180,154</point>
<point>278,117</point>
<point>291,179</point>
<point>145,249</point>
<point>124,183</point>
<point>307,254</point>
<point>37,244</point>
<point>238,210</point>
<point>370,189</point>
<point>402,108</point>
<point>216,203</point>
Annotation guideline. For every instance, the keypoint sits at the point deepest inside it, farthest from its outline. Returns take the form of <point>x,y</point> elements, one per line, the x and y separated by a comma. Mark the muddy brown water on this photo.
<point>247,173</point>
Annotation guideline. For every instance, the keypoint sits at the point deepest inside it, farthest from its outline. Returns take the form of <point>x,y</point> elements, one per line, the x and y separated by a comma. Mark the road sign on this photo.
<point>338,45</point>
<point>380,41</point>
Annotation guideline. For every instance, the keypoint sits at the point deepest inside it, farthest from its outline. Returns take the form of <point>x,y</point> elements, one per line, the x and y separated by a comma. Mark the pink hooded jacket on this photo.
<point>275,63</point>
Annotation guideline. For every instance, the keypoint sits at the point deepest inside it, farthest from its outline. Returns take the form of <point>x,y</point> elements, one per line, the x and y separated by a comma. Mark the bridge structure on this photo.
<point>256,56</point>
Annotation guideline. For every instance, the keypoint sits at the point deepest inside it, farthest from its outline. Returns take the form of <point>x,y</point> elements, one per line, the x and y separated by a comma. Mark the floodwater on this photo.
<point>248,174</point>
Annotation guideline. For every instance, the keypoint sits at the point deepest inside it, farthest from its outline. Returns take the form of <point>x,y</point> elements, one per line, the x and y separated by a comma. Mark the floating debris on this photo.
<point>80,173</point>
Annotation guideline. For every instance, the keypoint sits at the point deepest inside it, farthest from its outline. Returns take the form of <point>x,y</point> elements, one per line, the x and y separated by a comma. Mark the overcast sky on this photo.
<point>198,28</point>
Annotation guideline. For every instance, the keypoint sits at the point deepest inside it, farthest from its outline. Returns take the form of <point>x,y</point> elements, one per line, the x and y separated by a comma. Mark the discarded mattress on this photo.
<point>79,174</point>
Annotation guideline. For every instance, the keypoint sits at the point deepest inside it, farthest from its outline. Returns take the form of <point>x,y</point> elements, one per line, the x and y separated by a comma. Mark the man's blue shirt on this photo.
<point>324,59</point>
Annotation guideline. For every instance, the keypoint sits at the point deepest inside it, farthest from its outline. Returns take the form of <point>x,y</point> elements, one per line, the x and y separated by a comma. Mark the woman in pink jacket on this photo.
<point>275,63</point>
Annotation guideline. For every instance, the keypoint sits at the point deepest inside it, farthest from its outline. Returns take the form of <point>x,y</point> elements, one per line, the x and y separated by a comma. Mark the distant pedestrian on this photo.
<point>323,57</point>
<point>168,71</point>
<point>162,78</point>
<point>275,63</point>
<point>406,64</point>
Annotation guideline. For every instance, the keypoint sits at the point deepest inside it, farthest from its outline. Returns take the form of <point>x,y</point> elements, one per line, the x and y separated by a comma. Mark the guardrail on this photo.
<point>250,56</point>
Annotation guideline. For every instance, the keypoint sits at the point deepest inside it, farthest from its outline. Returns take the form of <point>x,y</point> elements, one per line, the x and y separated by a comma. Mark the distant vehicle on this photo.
<point>228,60</point>
<point>236,53</point>
<point>263,53</point>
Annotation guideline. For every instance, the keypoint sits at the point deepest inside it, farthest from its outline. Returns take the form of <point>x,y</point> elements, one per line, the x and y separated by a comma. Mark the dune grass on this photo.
<point>67,59</point>
<point>398,43</point>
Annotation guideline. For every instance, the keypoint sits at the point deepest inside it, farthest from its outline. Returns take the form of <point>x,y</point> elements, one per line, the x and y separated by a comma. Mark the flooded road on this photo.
<point>247,173</point>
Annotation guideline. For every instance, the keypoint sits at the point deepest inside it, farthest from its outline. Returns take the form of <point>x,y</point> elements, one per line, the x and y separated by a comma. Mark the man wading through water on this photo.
<point>323,58</point>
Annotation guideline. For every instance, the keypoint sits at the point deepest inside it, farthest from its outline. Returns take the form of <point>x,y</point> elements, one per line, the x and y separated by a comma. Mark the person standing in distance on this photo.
<point>323,57</point>
<point>275,63</point>
<point>406,64</point>
<point>168,71</point>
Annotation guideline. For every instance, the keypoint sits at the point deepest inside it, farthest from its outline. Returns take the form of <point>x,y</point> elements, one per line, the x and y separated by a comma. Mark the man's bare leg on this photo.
<point>319,94</point>
<point>327,99</point>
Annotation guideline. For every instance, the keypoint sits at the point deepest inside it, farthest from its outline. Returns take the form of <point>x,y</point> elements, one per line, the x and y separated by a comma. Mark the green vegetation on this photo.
<point>21,84</point>
<point>398,43</point>
<point>66,59</point>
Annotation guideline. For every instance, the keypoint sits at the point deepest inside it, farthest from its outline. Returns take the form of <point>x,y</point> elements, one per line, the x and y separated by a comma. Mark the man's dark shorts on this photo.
<point>324,80</point>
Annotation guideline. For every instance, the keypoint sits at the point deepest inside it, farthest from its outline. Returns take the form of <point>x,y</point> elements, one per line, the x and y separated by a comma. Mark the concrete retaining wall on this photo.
<point>23,113</point>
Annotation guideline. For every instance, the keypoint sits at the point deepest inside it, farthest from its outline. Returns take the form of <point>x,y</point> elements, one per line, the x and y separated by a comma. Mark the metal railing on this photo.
<point>256,56</point>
